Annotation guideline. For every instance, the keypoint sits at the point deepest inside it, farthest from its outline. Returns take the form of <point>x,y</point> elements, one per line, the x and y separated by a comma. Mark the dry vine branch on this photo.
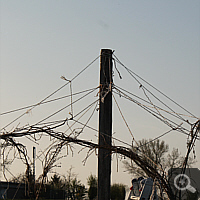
<point>52,155</point>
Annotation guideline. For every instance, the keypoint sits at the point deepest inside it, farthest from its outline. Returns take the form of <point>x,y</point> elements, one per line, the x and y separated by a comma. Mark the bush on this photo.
<point>117,192</point>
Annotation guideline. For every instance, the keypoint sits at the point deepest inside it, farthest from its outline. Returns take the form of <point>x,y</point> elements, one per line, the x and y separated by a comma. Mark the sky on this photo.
<point>40,41</point>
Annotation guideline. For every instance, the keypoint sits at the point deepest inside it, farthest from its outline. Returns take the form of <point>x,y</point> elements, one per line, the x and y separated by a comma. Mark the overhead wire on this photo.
<point>158,137</point>
<point>155,107</point>
<point>114,138</point>
<point>133,74</point>
<point>147,108</point>
<point>60,121</point>
<point>87,119</point>
<point>58,111</point>
<point>124,119</point>
<point>122,94</point>
<point>143,153</point>
<point>84,125</point>
<point>119,89</point>
<point>86,109</point>
<point>51,93</point>
<point>180,129</point>
<point>56,99</point>
<point>158,112</point>
<point>71,113</point>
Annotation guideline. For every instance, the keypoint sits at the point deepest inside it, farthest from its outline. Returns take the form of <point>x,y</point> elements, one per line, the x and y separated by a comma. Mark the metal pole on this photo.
<point>105,125</point>
<point>34,152</point>
<point>34,164</point>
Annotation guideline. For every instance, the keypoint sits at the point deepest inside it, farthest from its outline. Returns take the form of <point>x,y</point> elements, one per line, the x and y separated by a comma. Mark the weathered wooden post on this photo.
<point>105,125</point>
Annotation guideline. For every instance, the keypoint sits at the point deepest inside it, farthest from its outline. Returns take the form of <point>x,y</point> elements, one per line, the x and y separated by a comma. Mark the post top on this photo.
<point>106,50</point>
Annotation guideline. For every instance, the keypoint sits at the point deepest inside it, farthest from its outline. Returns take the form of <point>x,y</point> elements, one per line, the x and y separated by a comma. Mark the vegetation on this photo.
<point>156,155</point>
<point>118,192</point>
<point>68,187</point>
<point>56,182</point>
<point>92,191</point>
<point>73,187</point>
<point>156,151</point>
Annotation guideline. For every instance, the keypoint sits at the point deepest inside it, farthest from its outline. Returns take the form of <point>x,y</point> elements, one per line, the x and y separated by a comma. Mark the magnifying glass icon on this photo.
<point>182,182</point>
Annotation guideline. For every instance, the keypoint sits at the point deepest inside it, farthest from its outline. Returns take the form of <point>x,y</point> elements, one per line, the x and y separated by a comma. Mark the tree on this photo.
<point>150,150</point>
<point>155,151</point>
<point>155,155</point>
<point>117,192</point>
<point>92,182</point>
<point>74,188</point>
<point>21,178</point>
<point>56,182</point>
<point>175,160</point>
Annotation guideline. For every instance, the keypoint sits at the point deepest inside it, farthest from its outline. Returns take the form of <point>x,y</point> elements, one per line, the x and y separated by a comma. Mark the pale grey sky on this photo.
<point>43,40</point>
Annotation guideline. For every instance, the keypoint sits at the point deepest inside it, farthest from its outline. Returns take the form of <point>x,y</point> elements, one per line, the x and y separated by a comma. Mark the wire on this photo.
<point>88,120</point>
<point>144,153</point>
<point>174,127</point>
<point>124,119</point>
<point>131,73</point>
<point>86,110</point>
<point>158,137</point>
<point>155,114</point>
<point>52,93</point>
<point>60,121</point>
<point>181,130</point>
<point>119,89</point>
<point>114,138</point>
<point>56,99</point>
<point>66,106</point>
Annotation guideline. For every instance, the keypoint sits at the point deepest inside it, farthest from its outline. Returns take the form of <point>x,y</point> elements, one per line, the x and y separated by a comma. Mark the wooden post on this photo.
<point>105,125</point>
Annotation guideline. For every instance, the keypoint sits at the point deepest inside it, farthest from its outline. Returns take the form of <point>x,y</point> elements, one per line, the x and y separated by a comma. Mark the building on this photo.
<point>9,190</point>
